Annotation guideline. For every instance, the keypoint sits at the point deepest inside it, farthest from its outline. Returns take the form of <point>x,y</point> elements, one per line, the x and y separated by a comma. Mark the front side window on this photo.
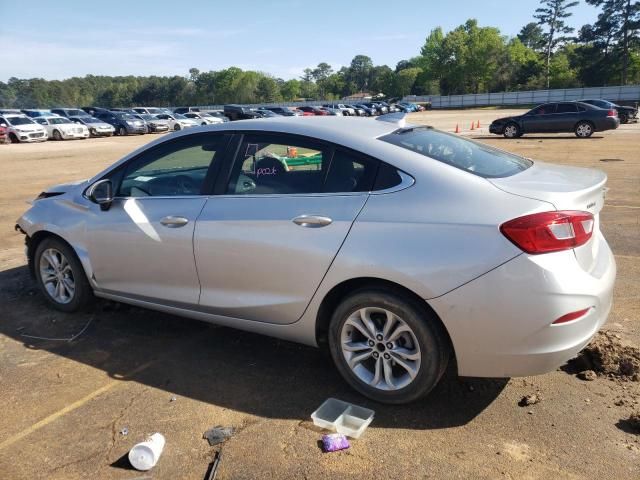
<point>476,158</point>
<point>282,164</point>
<point>543,110</point>
<point>566,108</point>
<point>177,168</point>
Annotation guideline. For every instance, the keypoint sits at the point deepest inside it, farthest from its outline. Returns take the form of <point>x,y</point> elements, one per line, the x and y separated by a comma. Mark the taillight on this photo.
<point>612,113</point>
<point>549,231</point>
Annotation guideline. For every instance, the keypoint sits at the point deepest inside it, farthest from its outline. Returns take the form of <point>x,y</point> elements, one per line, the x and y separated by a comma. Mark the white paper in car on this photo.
<point>142,178</point>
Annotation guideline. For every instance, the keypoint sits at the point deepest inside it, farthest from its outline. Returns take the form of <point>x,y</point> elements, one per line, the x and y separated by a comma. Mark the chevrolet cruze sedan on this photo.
<point>398,248</point>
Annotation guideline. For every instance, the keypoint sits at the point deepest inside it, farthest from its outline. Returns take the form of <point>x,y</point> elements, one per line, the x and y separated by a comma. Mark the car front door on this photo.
<point>264,244</point>
<point>142,246</point>
<point>539,119</point>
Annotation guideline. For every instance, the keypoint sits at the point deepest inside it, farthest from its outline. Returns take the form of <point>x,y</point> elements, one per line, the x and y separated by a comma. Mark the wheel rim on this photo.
<point>584,130</point>
<point>380,348</point>
<point>57,276</point>
<point>122,131</point>
<point>56,135</point>
<point>511,131</point>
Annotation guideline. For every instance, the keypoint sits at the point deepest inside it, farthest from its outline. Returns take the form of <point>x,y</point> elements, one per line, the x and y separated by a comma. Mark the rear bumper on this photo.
<point>609,123</point>
<point>501,323</point>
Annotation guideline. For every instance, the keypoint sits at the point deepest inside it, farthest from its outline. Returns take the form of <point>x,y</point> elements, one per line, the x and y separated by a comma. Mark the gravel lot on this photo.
<point>65,403</point>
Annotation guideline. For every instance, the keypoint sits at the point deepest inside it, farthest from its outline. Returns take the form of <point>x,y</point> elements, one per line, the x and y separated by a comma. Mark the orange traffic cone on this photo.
<point>478,125</point>
<point>472,126</point>
<point>457,128</point>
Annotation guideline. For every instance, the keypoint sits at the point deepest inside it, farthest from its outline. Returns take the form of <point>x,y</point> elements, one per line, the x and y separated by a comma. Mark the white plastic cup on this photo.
<point>144,456</point>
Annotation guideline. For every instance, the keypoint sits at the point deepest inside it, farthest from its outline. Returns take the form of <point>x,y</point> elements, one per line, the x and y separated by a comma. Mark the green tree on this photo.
<point>552,15</point>
<point>267,90</point>
<point>532,36</point>
<point>359,71</point>
<point>619,22</point>
<point>404,80</point>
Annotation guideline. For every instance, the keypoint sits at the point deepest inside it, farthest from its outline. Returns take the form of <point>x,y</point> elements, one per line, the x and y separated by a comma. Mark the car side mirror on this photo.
<point>101,193</point>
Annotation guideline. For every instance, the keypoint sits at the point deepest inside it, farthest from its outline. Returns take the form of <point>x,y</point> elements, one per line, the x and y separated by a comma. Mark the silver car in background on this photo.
<point>97,128</point>
<point>398,248</point>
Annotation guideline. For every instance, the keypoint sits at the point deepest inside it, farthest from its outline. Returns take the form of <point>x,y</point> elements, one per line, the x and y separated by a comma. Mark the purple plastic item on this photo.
<point>334,442</point>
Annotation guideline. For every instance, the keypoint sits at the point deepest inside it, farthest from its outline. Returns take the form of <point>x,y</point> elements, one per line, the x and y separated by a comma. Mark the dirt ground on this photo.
<point>66,405</point>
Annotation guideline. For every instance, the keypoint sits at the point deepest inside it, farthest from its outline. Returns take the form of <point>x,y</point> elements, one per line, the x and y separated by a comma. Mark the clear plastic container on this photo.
<point>342,417</point>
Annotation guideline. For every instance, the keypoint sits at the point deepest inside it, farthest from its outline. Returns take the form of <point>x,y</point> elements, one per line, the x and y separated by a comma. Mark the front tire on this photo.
<point>584,129</point>
<point>122,131</point>
<point>56,135</point>
<point>388,346</point>
<point>623,118</point>
<point>511,130</point>
<point>13,138</point>
<point>177,127</point>
<point>60,276</point>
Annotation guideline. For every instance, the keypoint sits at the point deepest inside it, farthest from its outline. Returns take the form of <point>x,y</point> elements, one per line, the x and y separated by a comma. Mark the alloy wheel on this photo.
<point>380,348</point>
<point>584,130</point>
<point>57,276</point>
<point>510,131</point>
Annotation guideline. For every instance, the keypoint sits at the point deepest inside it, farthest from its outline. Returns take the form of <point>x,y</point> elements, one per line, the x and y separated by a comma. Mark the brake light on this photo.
<point>612,113</point>
<point>549,231</point>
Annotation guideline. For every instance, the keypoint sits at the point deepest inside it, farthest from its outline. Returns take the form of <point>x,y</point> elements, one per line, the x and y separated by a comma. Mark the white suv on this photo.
<point>21,128</point>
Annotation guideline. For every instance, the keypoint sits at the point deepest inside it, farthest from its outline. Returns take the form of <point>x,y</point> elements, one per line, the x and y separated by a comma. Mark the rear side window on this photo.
<point>566,108</point>
<point>458,152</point>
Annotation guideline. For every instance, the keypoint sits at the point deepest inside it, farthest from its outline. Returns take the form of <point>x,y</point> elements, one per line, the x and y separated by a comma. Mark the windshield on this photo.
<point>181,117</point>
<point>458,152</point>
<point>91,120</point>
<point>146,116</point>
<point>126,116</point>
<point>74,112</point>
<point>19,121</point>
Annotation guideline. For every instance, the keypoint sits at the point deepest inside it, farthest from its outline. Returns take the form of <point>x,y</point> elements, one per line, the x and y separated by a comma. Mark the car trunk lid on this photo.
<point>566,188</point>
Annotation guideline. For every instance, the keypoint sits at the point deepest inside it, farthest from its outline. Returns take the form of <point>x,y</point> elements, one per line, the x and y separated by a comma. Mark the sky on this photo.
<point>60,39</point>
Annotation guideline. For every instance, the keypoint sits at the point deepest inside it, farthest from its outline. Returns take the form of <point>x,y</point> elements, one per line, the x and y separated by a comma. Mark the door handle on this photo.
<point>174,222</point>
<point>312,221</point>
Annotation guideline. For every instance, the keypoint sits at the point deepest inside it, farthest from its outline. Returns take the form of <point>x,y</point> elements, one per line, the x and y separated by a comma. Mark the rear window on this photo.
<point>458,152</point>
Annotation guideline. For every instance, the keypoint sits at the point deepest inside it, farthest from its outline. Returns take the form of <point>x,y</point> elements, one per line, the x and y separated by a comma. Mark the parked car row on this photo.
<point>582,117</point>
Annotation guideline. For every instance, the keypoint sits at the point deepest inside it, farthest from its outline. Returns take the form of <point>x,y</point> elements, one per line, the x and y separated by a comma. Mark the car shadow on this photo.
<point>534,137</point>
<point>221,366</point>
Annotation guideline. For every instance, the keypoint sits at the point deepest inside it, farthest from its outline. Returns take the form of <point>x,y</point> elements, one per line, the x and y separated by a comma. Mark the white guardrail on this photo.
<point>625,94</point>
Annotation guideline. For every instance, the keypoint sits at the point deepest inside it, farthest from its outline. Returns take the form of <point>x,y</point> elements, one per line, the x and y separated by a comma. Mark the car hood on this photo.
<point>506,119</point>
<point>66,187</point>
<point>29,127</point>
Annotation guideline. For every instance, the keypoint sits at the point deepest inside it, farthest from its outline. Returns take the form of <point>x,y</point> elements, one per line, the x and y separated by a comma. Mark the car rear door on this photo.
<point>565,118</point>
<point>286,205</point>
<point>142,246</point>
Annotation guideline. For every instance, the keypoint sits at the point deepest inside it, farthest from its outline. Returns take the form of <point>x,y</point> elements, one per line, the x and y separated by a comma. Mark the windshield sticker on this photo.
<point>142,178</point>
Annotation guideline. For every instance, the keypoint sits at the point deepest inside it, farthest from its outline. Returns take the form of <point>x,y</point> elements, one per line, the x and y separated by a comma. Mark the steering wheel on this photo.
<point>186,184</point>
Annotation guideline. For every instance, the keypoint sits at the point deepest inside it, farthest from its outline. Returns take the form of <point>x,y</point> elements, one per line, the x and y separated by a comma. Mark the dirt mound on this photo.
<point>606,355</point>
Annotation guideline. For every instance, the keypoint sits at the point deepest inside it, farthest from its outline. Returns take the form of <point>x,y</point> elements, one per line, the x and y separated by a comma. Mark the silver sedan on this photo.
<point>398,248</point>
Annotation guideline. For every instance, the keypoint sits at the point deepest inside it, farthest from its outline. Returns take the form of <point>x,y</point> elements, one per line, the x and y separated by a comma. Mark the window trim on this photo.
<point>207,184</point>
<point>234,150</point>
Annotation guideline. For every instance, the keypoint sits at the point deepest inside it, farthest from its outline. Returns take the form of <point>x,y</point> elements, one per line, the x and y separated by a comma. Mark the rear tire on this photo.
<point>584,129</point>
<point>122,131</point>
<point>511,130</point>
<point>388,346</point>
<point>60,276</point>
